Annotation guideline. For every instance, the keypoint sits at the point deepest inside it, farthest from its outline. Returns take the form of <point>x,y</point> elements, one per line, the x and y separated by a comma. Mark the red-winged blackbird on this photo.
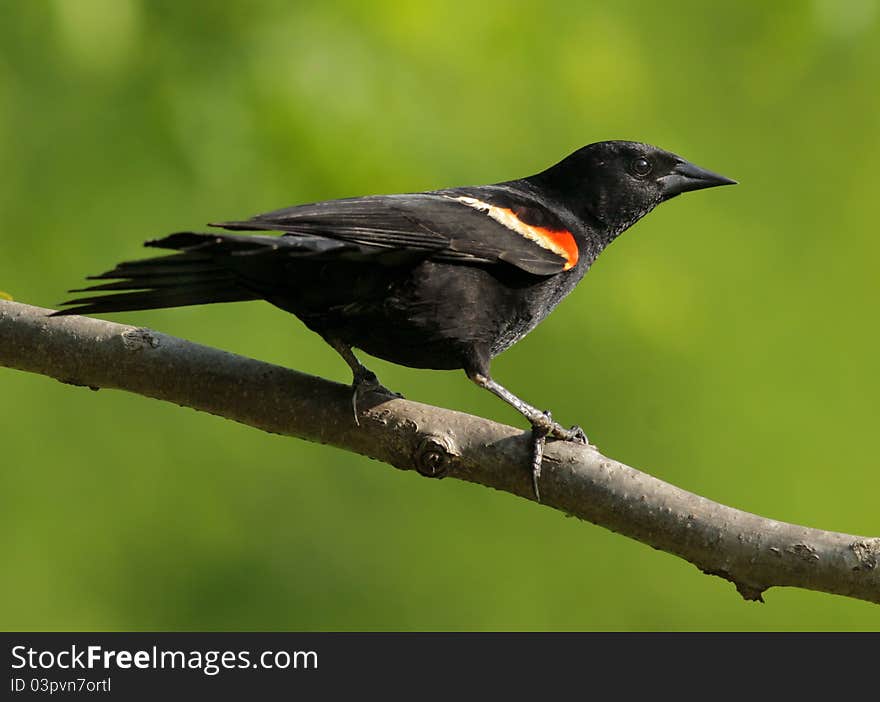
<point>443,279</point>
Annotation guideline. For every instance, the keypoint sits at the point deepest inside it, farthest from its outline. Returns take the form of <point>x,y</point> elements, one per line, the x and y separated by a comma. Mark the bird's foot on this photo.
<point>545,422</point>
<point>541,429</point>
<point>366,383</point>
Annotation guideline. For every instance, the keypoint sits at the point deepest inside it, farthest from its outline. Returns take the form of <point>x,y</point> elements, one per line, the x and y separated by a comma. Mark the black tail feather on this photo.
<point>192,277</point>
<point>160,280</point>
<point>210,268</point>
<point>154,299</point>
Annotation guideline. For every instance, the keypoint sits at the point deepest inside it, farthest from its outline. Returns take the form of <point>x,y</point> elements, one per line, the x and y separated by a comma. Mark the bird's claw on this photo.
<point>575,434</point>
<point>365,384</point>
<point>539,438</point>
<point>557,431</point>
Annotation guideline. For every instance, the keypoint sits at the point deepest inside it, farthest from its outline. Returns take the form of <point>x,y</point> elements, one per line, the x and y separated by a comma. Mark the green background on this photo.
<point>728,343</point>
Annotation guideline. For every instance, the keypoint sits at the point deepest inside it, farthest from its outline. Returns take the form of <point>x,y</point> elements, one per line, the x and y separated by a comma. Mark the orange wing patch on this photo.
<point>559,241</point>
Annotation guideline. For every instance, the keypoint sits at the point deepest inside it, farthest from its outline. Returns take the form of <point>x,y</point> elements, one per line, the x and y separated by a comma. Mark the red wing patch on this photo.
<point>559,241</point>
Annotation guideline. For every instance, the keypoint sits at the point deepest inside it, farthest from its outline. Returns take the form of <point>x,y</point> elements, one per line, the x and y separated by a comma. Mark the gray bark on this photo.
<point>752,552</point>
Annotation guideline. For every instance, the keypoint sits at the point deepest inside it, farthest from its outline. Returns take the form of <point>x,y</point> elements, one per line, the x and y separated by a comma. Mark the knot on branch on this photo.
<point>804,552</point>
<point>867,553</point>
<point>140,338</point>
<point>434,456</point>
<point>748,591</point>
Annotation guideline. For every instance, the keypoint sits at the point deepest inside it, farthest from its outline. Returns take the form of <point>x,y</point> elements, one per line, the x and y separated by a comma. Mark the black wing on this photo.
<point>441,224</point>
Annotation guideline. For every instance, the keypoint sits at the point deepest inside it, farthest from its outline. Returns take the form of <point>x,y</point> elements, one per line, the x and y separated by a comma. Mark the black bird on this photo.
<point>444,279</point>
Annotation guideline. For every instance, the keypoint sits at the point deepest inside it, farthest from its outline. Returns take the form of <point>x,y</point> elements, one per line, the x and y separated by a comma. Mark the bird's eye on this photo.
<point>641,167</point>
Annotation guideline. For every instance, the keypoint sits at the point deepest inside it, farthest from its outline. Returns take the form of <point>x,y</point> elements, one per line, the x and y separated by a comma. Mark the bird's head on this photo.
<point>616,183</point>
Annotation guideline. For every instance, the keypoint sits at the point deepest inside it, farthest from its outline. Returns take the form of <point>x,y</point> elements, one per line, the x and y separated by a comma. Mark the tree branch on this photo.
<point>752,552</point>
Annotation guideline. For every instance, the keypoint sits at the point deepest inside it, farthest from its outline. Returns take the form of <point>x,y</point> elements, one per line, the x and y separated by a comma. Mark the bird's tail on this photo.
<point>204,271</point>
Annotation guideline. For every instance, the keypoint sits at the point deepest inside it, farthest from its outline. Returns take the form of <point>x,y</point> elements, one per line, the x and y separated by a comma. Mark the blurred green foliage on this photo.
<point>728,343</point>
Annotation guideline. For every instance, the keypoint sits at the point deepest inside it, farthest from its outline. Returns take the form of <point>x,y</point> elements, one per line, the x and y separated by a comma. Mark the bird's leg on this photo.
<point>536,417</point>
<point>542,424</point>
<point>364,381</point>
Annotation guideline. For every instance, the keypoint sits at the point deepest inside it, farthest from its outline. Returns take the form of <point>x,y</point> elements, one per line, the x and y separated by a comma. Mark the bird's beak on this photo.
<point>686,176</point>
